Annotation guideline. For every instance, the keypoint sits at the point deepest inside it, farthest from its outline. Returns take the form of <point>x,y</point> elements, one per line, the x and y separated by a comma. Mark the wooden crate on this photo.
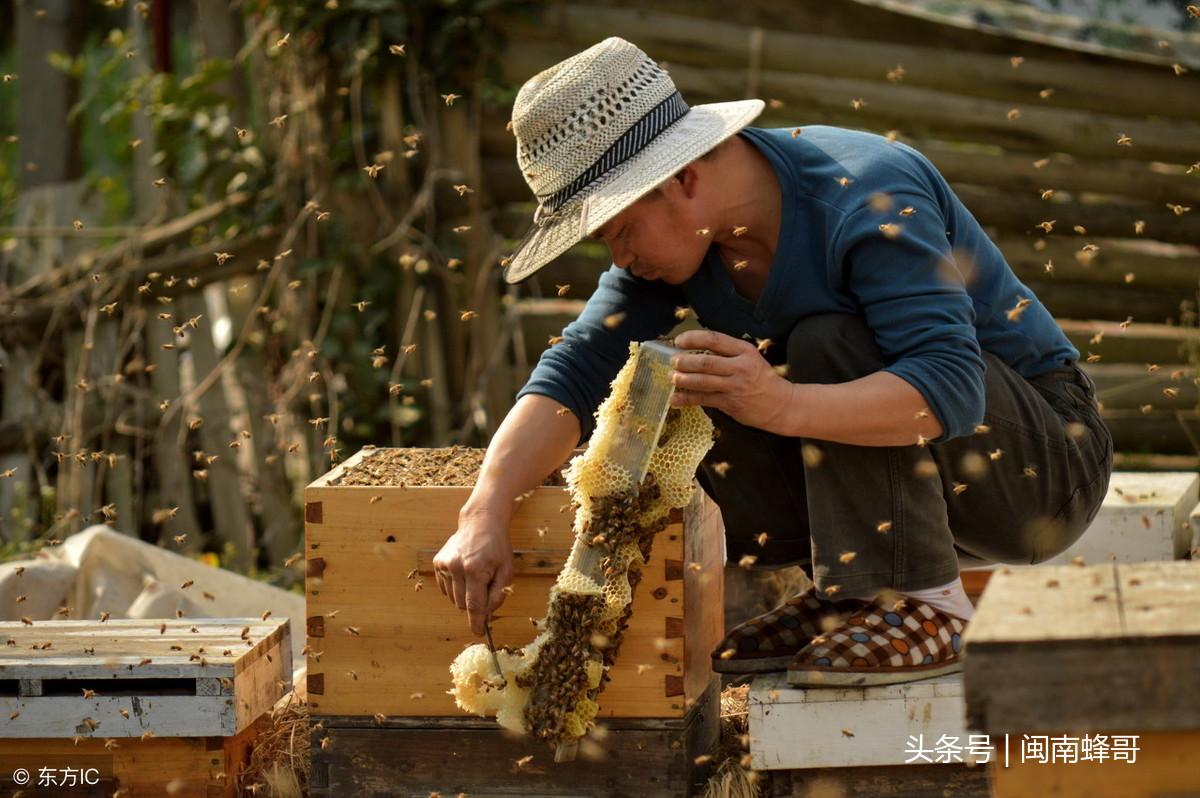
<point>1067,651</point>
<point>396,659</point>
<point>894,781</point>
<point>418,757</point>
<point>180,767</point>
<point>197,686</point>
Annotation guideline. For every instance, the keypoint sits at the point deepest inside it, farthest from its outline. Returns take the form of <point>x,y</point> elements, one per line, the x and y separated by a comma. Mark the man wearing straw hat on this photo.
<point>890,401</point>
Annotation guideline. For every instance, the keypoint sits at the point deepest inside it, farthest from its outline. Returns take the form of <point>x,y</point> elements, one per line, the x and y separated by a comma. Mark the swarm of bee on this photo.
<point>549,687</point>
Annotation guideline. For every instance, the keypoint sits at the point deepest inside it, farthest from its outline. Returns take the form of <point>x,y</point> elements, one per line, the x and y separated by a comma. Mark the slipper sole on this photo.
<point>828,676</point>
<point>761,665</point>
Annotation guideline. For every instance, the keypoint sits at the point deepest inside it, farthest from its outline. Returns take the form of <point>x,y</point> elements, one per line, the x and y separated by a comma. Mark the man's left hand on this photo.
<point>733,377</point>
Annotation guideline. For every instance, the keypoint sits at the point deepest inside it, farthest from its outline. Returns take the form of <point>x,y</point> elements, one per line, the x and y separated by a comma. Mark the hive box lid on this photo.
<point>197,677</point>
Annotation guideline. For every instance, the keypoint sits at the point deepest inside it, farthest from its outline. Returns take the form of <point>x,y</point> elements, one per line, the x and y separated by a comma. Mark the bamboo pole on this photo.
<point>170,458</point>
<point>232,522</point>
<point>17,409</point>
<point>149,241</point>
<point>23,319</point>
<point>280,533</point>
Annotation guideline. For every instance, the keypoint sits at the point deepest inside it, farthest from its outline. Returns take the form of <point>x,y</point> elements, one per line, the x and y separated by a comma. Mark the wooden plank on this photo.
<point>1164,765</point>
<point>1136,343</point>
<point>183,767</point>
<point>918,111</point>
<point>1160,600</point>
<point>1018,27</point>
<point>646,756</point>
<point>261,684</point>
<point>703,613</point>
<point>165,716</point>
<point>1072,299</point>
<point>121,644</point>
<point>1194,523</point>
<point>1022,213</point>
<point>1024,606</point>
<point>686,39</point>
<point>1117,261</point>
<point>1159,431</point>
<point>963,162</point>
<point>1036,651</point>
<point>1132,385</point>
<point>884,781</point>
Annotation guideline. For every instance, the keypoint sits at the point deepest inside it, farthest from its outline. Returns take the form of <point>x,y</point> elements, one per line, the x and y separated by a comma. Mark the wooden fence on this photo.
<point>101,403</point>
<point>1003,119</point>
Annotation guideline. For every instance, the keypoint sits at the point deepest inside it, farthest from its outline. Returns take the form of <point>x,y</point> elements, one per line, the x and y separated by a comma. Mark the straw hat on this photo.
<point>598,131</point>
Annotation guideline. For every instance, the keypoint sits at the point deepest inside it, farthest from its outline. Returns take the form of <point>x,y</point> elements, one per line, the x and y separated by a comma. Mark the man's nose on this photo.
<point>621,257</point>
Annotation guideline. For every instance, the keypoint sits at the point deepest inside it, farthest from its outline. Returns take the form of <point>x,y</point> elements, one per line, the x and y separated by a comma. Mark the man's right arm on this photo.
<point>477,560</point>
<point>534,438</point>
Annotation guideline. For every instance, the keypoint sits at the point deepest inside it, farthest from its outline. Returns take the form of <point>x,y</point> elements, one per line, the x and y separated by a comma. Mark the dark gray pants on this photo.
<point>1007,513</point>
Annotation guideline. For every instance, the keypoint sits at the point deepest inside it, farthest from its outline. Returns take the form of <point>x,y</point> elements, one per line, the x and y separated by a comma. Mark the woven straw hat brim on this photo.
<point>695,133</point>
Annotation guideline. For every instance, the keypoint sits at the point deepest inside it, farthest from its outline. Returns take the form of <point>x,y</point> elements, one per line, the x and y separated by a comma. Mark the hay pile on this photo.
<point>732,776</point>
<point>279,760</point>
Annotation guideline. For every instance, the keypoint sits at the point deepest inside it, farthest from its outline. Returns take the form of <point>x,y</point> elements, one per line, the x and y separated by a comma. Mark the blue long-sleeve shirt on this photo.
<point>934,288</point>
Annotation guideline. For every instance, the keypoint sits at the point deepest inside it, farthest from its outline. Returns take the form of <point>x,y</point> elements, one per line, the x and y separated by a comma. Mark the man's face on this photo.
<point>655,237</point>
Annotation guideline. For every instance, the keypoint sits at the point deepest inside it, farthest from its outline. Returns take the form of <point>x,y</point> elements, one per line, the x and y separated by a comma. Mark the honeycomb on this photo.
<point>550,686</point>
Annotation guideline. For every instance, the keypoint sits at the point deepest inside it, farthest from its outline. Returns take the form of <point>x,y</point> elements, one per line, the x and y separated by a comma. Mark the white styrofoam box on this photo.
<point>1144,517</point>
<point>805,727</point>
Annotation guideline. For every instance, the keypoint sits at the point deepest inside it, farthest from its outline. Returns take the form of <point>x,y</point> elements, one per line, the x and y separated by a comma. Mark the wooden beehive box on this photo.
<point>419,757</point>
<point>1110,650</point>
<point>199,687</point>
<point>378,645</point>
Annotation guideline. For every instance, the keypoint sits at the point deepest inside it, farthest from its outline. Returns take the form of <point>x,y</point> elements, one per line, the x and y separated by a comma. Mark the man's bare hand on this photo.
<point>733,377</point>
<point>475,565</point>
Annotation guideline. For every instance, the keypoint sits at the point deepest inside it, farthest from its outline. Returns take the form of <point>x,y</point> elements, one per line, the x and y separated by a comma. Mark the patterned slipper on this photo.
<point>910,641</point>
<point>768,642</point>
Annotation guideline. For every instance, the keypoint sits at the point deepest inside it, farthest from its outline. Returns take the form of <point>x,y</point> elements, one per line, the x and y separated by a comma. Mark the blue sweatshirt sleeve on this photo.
<point>913,293</point>
<point>578,371</point>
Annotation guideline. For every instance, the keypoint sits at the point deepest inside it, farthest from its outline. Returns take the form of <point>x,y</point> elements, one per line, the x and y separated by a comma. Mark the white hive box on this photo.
<point>1144,518</point>
<point>800,728</point>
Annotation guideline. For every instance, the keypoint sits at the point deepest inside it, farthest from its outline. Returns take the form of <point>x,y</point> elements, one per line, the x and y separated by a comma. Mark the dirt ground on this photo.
<point>450,466</point>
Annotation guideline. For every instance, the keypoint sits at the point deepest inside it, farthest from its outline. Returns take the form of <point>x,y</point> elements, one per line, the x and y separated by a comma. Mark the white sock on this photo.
<point>950,598</point>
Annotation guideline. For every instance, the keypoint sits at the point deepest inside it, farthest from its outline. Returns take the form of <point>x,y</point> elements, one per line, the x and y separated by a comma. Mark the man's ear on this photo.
<point>687,180</point>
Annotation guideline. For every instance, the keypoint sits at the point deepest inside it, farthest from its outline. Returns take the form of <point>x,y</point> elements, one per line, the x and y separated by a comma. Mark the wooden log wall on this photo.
<point>1002,118</point>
